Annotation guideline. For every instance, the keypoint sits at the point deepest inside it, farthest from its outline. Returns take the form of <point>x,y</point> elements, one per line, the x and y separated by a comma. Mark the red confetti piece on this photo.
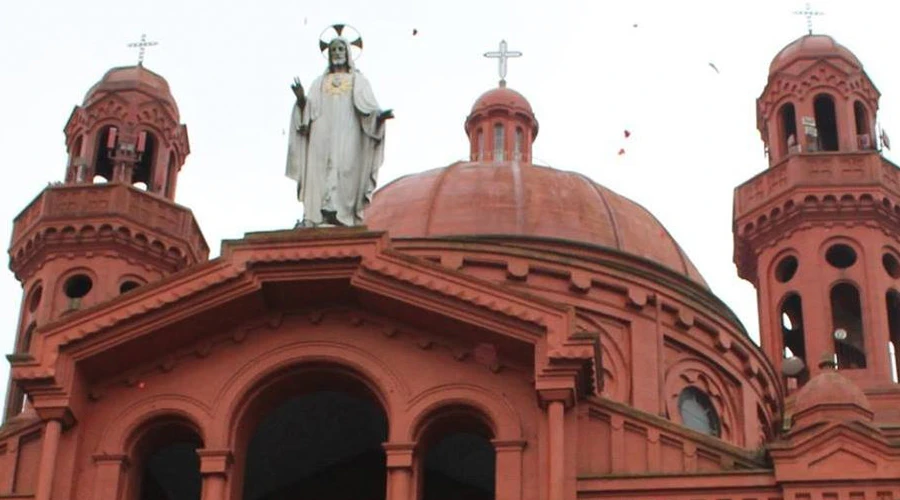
<point>627,134</point>
<point>621,151</point>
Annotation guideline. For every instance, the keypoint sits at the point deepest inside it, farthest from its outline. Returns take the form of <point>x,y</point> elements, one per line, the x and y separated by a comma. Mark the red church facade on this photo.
<point>498,329</point>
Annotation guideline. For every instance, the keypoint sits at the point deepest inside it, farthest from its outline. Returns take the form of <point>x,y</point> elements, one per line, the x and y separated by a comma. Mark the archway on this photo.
<point>314,432</point>
<point>456,458</point>
<point>166,464</point>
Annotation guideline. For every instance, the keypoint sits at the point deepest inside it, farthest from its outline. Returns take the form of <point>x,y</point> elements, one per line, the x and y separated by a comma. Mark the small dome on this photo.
<point>132,78</point>
<point>502,97</point>
<point>830,389</point>
<point>811,47</point>
<point>513,199</point>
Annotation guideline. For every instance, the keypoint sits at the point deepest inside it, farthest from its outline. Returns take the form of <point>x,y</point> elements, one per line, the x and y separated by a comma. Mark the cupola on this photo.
<point>501,127</point>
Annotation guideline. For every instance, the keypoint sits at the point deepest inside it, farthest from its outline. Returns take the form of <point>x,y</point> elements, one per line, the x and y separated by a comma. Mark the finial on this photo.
<point>502,55</point>
<point>809,13</point>
<point>142,46</point>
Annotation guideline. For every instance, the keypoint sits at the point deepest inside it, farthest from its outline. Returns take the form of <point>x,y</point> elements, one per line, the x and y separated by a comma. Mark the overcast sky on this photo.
<point>591,69</point>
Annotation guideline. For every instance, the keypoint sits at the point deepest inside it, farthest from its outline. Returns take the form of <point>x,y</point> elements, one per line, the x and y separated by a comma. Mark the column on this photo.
<point>508,469</point>
<point>214,465</point>
<point>399,470</point>
<point>110,469</point>
<point>556,419</point>
<point>47,466</point>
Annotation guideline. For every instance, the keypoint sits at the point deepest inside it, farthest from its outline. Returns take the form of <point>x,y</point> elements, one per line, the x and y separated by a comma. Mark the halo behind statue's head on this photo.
<point>343,32</point>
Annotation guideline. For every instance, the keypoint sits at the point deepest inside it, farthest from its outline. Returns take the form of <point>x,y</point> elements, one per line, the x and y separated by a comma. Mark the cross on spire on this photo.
<point>809,13</point>
<point>502,55</point>
<point>142,46</point>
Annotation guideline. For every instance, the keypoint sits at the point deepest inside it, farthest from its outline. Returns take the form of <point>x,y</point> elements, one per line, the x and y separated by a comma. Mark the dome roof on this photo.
<point>134,78</point>
<point>502,96</point>
<point>520,199</point>
<point>829,388</point>
<point>811,47</point>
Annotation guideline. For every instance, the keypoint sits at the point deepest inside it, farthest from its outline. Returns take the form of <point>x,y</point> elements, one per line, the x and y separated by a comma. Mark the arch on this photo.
<point>498,414</point>
<point>499,141</point>
<point>892,301</point>
<point>847,325</point>
<point>826,123</point>
<point>616,379</point>
<point>77,163</point>
<point>787,129</point>
<point>793,335</point>
<point>147,148</point>
<point>24,343</point>
<point>519,144</point>
<point>705,377</point>
<point>479,144</point>
<point>105,143</point>
<point>119,435</point>
<point>157,445</point>
<point>864,139</point>
<point>250,379</point>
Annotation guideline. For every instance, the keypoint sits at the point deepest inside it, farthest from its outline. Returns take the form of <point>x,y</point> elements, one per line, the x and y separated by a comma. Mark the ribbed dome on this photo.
<point>471,198</point>
<point>812,47</point>
<point>132,78</point>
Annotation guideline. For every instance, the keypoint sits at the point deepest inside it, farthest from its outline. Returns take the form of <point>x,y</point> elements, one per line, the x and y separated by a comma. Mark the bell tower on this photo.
<point>113,224</point>
<point>818,232</point>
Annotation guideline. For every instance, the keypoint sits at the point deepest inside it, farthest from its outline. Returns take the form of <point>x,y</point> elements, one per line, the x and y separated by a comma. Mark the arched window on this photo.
<point>787,121</point>
<point>143,171</point>
<point>166,462</point>
<point>479,144</point>
<point>457,459</point>
<point>24,344</point>
<point>106,144</point>
<point>826,123</point>
<point>847,331</point>
<point>697,412</point>
<point>893,311</point>
<point>793,338</point>
<point>78,165</point>
<point>863,128</point>
<point>499,145</point>
<point>517,146</point>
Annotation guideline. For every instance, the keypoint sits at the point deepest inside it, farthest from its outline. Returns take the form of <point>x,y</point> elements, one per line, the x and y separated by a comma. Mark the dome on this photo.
<point>811,47</point>
<point>523,200</point>
<point>132,78</point>
<point>502,97</point>
<point>829,388</point>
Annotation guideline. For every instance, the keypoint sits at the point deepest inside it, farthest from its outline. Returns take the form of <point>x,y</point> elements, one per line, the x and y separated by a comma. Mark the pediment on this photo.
<point>265,268</point>
<point>843,460</point>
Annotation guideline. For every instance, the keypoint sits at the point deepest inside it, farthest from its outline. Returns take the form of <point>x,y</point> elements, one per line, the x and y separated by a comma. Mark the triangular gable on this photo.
<point>362,259</point>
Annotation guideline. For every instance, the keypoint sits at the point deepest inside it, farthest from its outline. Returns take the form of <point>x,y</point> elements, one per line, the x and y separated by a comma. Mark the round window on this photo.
<point>78,286</point>
<point>841,256</point>
<point>786,269</point>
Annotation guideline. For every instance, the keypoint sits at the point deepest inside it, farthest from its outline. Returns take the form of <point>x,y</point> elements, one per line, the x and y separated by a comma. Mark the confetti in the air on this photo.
<point>627,134</point>
<point>621,151</point>
<point>415,32</point>
<point>713,66</point>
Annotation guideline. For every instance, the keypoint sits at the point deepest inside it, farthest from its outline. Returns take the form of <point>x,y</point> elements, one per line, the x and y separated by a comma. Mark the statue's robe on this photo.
<point>336,164</point>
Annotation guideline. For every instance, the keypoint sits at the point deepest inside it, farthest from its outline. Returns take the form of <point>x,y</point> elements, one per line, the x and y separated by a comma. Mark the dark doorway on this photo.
<point>322,444</point>
<point>167,458</point>
<point>826,122</point>
<point>459,461</point>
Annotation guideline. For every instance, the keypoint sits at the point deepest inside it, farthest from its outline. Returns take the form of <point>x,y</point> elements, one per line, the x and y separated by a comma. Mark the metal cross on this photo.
<point>142,46</point>
<point>809,13</point>
<point>502,55</point>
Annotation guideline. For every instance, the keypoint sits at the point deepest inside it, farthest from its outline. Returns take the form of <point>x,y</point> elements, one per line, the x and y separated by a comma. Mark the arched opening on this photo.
<point>34,300</point>
<point>77,164</point>
<point>863,128</point>
<point>166,463</point>
<point>840,255</point>
<point>826,123</point>
<point>143,170</point>
<point>314,432</point>
<point>128,285</point>
<point>893,311</point>
<point>793,337</point>
<point>847,331</point>
<point>479,144</point>
<point>698,412</point>
<point>788,123</point>
<point>518,144</point>
<point>891,265</point>
<point>456,457</point>
<point>499,144</point>
<point>24,344</point>
<point>786,269</point>
<point>106,144</point>
<point>171,176</point>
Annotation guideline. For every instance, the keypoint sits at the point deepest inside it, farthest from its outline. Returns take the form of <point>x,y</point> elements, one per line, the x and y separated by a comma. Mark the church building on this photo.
<point>496,330</point>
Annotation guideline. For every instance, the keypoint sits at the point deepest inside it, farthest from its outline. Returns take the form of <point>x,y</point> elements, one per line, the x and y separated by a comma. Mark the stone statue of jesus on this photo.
<point>336,143</point>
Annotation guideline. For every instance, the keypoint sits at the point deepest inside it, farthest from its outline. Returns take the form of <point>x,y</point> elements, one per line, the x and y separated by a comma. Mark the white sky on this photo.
<point>587,71</point>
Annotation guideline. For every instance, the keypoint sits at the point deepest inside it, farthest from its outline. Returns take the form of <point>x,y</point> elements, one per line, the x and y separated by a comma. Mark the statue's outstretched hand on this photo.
<point>385,115</point>
<point>297,87</point>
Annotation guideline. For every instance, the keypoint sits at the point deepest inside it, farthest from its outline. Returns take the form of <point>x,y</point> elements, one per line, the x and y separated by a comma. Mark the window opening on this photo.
<point>826,123</point>
<point>788,138</point>
<point>893,311</point>
<point>840,256</point>
<point>863,132</point>
<point>697,411</point>
<point>846,318</point>
<point>106,144</point>
<point>498,142</point>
